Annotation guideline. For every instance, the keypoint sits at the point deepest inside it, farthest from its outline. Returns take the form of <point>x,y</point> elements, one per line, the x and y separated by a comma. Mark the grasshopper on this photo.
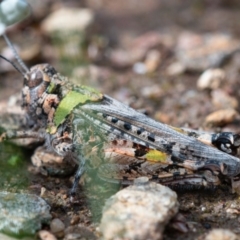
<point>78,124</point>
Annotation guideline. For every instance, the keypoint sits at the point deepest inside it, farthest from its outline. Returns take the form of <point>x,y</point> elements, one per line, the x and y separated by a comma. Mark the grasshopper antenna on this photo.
<point>14,65</point>
<point>20,61</point>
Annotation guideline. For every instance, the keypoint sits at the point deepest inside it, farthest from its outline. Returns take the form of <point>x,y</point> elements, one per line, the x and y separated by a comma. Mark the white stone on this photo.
<point>211,79</point>
<point>68,19</point>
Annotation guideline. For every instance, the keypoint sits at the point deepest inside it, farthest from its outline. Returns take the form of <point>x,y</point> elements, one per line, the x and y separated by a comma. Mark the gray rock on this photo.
<point>6,237</point>
<point>138,212</point>
<point>22,214</point>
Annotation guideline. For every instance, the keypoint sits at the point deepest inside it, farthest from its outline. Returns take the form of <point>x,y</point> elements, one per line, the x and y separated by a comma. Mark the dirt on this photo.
<point>174,99</point>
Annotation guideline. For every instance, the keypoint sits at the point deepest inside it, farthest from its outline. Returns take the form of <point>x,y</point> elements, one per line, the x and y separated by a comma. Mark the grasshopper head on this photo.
<point>35,90</point>
<point>39,75</point>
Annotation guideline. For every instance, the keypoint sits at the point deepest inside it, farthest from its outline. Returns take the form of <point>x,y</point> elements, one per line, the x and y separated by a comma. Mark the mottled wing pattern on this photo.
<point>131,135</point>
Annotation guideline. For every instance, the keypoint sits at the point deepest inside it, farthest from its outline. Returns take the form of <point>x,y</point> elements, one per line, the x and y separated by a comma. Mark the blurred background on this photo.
<point>148,54</point>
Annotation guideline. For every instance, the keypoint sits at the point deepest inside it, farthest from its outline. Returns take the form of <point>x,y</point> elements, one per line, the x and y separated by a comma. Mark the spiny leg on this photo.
<point>22,134</point>
<point>77,177</point>
<point>177,178</point>
<point>225,141</point>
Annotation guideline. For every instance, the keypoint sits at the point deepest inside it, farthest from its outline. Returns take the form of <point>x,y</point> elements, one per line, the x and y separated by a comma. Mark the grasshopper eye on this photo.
<point>33,79</point>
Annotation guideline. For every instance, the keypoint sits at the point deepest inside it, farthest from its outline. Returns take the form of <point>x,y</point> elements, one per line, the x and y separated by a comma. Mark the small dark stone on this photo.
<point>207,225</point>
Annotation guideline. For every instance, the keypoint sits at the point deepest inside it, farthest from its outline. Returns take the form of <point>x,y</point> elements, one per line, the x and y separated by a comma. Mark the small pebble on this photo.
<point>232,213</point>
<point>221,117</point>
<point>153,92</point>
<point>211,79</point>
<point>56,225</point>
<point>175,69</point>
<point>207,225</point>
<point>64,196</point>
<point>221,234</point>
<point>57,180</point>
<point>140,68</point>
<point>43,190</point>
<point>236,187</point>
<point>152,61</point>
<point>203,209</point>
<point>74,220</point>
<point>45,235</point>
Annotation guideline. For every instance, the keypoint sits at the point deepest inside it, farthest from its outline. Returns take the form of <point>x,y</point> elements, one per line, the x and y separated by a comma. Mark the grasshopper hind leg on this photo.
<point>227,142</point>
<point>179,178</point>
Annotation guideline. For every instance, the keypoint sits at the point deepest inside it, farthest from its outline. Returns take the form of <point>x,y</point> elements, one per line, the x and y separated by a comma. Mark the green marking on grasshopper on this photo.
<point>95,94</point>
<point>71,100</point>
<point>156,156</point>
<point>51,87</point>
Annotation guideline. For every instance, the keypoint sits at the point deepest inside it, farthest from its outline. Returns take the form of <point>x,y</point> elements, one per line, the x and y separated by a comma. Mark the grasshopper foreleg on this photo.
<point>78,175</point>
